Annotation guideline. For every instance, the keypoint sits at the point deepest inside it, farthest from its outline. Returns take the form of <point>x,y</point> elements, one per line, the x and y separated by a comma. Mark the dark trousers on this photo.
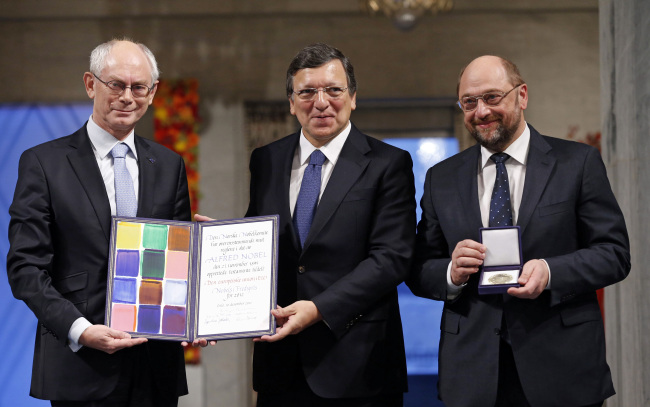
<point>135,387</point>
<point>300,395</point>
<point>509,391</point>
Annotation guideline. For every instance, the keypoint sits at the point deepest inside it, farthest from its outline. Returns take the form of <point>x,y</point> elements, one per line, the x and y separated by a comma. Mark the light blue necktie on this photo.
<point>500,208</point>
<point>308,195</point>
<point>125,202</point>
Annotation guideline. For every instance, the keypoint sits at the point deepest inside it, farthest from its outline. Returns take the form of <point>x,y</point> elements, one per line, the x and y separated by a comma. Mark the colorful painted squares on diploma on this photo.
<point>150,278</point>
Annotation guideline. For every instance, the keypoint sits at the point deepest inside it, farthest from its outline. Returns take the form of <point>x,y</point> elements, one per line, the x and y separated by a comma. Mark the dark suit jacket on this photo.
<point>569,217</point>
<point>358,250</point>
<point>58,259</point>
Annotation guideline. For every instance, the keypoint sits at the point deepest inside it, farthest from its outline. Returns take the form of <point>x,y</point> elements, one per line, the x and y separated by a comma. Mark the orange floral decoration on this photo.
<point>176,119</point>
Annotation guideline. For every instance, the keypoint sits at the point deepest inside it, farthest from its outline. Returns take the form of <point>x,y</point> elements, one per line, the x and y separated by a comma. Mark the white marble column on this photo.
<point>223,379</point>
<point>625,96</point>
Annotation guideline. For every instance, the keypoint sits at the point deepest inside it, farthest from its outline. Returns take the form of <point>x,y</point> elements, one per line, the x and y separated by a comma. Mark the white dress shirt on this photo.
<point>102,143</point>
<point>331,150</point>
<point>516,167</point>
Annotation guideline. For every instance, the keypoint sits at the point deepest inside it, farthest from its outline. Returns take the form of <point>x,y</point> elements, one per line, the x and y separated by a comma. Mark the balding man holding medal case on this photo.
<point>521,324</point>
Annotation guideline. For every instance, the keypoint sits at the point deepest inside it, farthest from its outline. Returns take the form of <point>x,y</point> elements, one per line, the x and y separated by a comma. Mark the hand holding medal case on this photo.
<point>503,260</point>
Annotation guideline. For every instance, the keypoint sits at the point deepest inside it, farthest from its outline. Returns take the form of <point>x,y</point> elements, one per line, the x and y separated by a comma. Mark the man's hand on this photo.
<point>533,280</point>
<point>465,260</point>
<point>108,340</point>
<point>292,319</point>
<point>199,342</point>
<point>201,218</point>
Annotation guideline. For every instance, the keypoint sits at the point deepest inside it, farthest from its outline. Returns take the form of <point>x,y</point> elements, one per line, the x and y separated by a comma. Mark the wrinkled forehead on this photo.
<point>127,59</point>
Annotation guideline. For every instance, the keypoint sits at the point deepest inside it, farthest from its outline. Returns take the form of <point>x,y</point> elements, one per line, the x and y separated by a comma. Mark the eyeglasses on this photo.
<point>469,103</point>
<point>117,88</point>
<point>310,93</point>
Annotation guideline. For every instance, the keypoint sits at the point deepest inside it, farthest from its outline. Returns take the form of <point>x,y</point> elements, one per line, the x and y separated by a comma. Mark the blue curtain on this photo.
<point>22,127</point>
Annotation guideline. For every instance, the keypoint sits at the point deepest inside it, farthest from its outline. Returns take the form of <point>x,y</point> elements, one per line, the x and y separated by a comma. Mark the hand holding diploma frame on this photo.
<point>183,281</point>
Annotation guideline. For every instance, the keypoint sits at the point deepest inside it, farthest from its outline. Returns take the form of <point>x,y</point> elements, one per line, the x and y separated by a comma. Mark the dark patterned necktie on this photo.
<point>500,208</point>
<point>308,195</point>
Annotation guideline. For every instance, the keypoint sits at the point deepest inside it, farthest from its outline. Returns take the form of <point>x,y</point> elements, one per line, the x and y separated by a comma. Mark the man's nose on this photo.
<point>126,95</point>
<point>321,102</point>
<point>482,109</point>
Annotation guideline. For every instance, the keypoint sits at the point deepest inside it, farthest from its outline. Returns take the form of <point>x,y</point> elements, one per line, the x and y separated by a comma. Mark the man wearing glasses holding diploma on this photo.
<point>59,232</point>
<point>346,235</point>
<point>543,343</point>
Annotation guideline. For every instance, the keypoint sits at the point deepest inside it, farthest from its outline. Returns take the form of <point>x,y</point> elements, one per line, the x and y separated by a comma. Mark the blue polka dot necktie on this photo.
<point>308,195</point>
<point>125,202</point>
<point>500,208</point>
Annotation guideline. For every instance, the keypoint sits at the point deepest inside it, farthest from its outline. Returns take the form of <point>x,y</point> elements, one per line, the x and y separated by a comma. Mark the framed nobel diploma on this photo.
<point>503,260</point>
<point>182,281</point>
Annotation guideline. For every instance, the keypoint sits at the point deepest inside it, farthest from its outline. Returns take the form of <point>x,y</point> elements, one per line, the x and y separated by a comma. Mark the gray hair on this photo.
<point>99,54</point>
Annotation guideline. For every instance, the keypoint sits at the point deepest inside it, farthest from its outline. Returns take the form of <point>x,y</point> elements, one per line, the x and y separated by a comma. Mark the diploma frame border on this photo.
<point>194,276</point>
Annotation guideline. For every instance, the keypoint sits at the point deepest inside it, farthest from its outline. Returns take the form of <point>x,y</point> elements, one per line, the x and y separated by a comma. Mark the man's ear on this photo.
<point>523,96</point>
<point>292,107</point>
<point>89,82</point>
<point>153,92</point>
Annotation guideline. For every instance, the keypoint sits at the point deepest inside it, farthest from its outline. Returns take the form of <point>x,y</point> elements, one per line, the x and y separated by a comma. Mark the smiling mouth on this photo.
<point>486,122</point>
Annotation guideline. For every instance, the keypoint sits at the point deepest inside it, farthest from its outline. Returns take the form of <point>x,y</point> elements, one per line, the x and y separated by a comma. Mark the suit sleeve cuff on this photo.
<point>453,290</point>
<point>548,285</point>
<point>78,327</point>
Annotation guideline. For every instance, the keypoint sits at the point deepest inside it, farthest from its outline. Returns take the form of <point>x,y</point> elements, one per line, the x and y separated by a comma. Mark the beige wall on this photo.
<point>239,50</point>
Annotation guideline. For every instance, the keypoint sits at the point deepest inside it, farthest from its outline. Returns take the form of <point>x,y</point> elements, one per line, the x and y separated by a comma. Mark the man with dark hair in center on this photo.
<point>347,231</point>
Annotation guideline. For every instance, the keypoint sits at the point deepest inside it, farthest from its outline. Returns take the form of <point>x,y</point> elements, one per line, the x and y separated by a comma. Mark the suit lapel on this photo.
<point>350,165</point>
<point>147,177</point>
<point>468,191</point>
<point>538,171</point>
<point>283,160</point>
<point>84,164</point>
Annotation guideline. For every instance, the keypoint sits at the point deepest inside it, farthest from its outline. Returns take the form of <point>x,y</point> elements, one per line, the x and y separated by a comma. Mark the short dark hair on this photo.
<point>514,76</point>
<point>315,55</point>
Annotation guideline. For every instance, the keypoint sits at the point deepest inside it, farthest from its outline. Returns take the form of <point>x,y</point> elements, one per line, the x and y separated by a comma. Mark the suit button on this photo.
<point>497,331</point>
<point>301,269</point>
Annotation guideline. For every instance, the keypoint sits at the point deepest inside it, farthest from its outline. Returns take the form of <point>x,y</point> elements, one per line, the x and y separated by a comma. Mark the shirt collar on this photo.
<point>103,141</point>
<point>518,150</point>
<point>331,150</point>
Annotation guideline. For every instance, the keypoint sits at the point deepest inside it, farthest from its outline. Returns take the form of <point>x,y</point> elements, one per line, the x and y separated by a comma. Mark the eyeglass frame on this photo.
<point>318,90</point>
<point>125,87</point>
<point>482,97</point>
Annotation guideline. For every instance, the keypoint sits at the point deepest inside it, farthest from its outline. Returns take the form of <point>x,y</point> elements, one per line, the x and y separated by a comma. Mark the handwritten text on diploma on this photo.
<point>235,286</point>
